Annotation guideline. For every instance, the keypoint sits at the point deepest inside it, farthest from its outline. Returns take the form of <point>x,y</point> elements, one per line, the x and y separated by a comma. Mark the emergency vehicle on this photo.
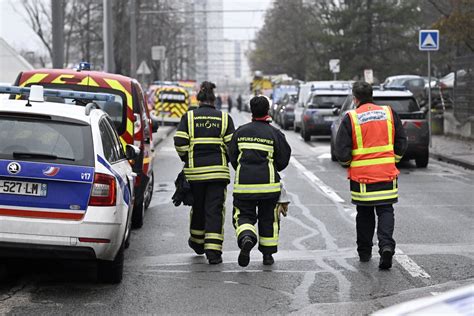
<point>66,183</point>
<point>171,103</point>
<point>192,87</point>
<point>129,113</point>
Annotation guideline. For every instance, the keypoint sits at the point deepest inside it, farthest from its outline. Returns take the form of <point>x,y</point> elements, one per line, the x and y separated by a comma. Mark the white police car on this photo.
<point>66,185</point>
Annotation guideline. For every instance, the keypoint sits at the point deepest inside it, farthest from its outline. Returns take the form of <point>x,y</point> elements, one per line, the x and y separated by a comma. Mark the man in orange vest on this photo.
<point>370,140</point>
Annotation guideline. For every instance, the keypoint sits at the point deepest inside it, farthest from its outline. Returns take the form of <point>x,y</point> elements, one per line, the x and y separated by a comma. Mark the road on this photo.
<point>316,271</point>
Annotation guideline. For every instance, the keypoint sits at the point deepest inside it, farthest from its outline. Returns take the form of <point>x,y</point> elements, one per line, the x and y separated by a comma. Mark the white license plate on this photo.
<point>330,118</point>
<point>23,188</point>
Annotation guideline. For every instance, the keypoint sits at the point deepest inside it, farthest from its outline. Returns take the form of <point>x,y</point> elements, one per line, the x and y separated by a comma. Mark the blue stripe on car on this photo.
<point>123,186</point>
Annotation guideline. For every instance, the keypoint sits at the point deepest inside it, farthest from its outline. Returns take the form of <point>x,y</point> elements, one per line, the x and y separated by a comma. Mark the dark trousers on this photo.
<point>208,215</point>
<point>245,216</point>
<point>365,226</point>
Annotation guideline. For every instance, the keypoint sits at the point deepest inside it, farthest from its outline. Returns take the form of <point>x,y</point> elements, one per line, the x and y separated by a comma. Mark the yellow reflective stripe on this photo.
<point>370,162</point>
<point>196,170</point>
<point>197,240</point>
<point>181,134</point>
<point>224,124</point>
<point>228,138</point>
<point>208,176</point>
<point>245,227</point>
<point>207,140</point>
<point>124,143</point>
<point>271,169</point>
<point>130,127</point>
<point>237,172</point>
<point>398,158</point>
<point>214,236</point>
<point>375,197</point>
<point>371,150</point>
<point>236,217</point>
<point>358,130</point>
<point>182,148</point>
<point>36,78</point>
<point>58,80</point>
<point>191,136</point>
<point>395,187</point>
<point>257,188</point>
<point>255,146</point>
<point>389,124</point>
<point>374,193</point>
<point>268,241</point>
<point>114,84</point>
<point>197,232</point>
<point>88,81</point>
<point>213,247</point>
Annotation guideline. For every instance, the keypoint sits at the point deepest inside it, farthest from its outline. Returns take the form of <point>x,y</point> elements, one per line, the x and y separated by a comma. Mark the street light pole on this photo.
<point>57,12</point>
<point>108,38</point>
<point>133,39</point>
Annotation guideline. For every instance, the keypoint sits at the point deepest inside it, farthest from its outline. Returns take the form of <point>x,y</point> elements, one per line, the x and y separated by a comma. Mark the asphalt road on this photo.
<point>316,271</point>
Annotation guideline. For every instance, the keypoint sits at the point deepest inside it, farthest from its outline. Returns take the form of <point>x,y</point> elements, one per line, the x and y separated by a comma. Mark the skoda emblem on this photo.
<point>13,168</point>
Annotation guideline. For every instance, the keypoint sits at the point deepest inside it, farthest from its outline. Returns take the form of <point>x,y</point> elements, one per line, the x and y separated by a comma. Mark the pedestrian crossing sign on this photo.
<point>428,40</point>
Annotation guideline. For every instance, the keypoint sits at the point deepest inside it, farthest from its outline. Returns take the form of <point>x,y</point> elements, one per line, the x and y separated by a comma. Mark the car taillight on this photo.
<point>306,117</point>
<point>103,190</point>
<point>418,123</point>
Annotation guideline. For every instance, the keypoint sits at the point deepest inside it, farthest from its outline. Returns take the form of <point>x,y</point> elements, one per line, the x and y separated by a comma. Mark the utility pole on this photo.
<point>108,38</point>
<point>133,39</point>
<point>57,12</point>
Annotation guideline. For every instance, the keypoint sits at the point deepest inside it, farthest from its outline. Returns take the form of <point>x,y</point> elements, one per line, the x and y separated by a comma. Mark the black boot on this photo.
<point>386,258</point>
<point>364,256</point>
<point>199,249</point>
<point>245,246</point>
<point>213,256</point>
<point>268,260</point>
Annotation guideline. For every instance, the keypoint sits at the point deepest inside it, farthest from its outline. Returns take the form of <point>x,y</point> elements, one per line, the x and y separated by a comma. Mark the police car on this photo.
<point>66,184</point>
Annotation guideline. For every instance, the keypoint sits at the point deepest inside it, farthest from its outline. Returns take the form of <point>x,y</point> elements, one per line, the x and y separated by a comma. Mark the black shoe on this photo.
<point>215,260</point>
<point>386,259</point>
<point>199,249</point>
<point>244,256</point>
<point>268,260</point>
<point>365,257</point>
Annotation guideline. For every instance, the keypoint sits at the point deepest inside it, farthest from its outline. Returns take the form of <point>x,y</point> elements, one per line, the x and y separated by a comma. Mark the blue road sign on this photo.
<point>428,40</point>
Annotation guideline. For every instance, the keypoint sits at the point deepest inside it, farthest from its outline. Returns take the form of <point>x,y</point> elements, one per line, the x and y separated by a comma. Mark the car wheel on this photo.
<point>333,156</point>
<point>422,159</point>
<point>138,213</point>
<point>111,271</point>
<point>306,136</point>
<point>149,190</point>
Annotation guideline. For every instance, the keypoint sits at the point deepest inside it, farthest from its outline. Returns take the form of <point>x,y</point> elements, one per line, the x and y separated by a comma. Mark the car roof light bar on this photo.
<point>92,96</point>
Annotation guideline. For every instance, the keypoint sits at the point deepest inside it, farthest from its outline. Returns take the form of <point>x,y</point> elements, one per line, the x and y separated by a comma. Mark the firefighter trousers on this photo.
<point>245,216</point>
<point>208,215</point>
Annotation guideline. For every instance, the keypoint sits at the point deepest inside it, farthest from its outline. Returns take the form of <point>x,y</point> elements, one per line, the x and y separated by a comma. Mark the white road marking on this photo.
<point>325,156</point>
<point>166,148</point>
<point>406,262</point>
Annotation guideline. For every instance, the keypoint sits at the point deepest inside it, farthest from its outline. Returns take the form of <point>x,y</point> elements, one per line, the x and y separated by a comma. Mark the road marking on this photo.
<point>406,262</point>
<point>324,156</point>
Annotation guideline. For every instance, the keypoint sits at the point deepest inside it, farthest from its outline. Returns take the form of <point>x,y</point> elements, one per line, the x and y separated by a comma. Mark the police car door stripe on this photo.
<point>123,186</point>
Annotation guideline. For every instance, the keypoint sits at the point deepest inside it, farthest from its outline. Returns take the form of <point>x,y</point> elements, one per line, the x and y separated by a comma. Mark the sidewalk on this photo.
<point>162,133</point>
<point>453,150</point>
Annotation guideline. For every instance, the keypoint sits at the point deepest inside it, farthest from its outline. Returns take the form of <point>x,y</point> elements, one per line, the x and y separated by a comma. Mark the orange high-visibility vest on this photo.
<point>373,133</point>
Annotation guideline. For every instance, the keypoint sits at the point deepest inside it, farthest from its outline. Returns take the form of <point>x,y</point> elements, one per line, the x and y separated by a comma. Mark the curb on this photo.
<point>453,161</point>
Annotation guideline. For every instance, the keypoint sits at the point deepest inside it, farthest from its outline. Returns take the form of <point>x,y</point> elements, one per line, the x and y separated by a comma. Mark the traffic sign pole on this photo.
<point>429,96</point>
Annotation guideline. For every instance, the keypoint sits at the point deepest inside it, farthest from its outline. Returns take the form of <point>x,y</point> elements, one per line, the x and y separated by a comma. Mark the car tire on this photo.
<point>333,156</point>
<point>138,213</point>
<point>148,195</point>
<point>111,272</point>
<point>305,135</point>
<point>422,159</point>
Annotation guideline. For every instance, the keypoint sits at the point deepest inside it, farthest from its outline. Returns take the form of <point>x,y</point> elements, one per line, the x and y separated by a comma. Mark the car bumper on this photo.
<point>99,235</point>
<point>319,128</point>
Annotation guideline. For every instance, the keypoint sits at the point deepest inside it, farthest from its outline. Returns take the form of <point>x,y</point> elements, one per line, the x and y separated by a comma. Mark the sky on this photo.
<point>15,30</point>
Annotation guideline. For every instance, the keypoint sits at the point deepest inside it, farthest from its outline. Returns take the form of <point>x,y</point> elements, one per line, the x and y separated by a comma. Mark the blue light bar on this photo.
<point>92,96</point>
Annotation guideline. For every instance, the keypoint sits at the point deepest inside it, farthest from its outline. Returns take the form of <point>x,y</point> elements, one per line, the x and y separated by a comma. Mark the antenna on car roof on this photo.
<point>91,106</point>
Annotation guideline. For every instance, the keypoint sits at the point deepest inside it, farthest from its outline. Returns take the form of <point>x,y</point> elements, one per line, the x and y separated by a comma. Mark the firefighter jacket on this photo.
<point>201,142</point>
<point>258,151</point>
<point>370,140</point>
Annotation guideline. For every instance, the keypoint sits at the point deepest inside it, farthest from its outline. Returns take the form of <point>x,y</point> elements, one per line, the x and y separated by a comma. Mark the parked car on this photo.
<point>66,184</point>
<point>318,113</point>
<point>304,91</point>
<point>286,110</point>
<point>129,113</point>
<point>413,119</point>
<point>413,83</point>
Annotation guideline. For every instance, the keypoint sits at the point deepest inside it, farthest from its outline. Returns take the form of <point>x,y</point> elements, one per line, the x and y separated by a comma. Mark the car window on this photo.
<point>45,141</point>
<point>108,145</point>
<point>115,139</point>
<point>347,105</point>
<point>416,83</point>
<point>399,105</point>
<point>326,101</point>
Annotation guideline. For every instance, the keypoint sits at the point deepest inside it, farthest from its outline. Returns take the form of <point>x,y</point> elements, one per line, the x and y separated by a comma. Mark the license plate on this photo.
<point>23,188</point>
<point>330,118</point>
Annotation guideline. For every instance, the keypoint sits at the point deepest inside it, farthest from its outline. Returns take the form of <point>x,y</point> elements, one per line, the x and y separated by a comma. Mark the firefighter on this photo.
<point>370,140</point>
<point>258,151</point>
<point>201,142</point>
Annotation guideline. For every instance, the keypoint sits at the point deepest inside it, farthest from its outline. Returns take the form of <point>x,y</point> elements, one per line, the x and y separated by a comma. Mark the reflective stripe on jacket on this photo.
<point>373,157</point>
<point>258,151</point>
<point>201,142</point>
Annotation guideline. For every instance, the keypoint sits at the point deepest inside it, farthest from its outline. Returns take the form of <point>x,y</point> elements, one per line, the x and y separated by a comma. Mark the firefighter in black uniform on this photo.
<point>258,151</point>
<point>201,142</point>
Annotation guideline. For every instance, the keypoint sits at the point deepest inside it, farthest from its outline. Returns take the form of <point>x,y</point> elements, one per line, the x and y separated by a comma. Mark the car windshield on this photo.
<point>400,105</point>
<point>327,101</point>
<point>293,98</point>
<point>45,141</point>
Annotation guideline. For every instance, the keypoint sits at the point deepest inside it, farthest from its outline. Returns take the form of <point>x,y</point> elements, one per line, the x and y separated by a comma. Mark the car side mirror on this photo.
<point>132,152</point>
<point>424,109</point>
<point>336,111</point>
<point>154,125</point>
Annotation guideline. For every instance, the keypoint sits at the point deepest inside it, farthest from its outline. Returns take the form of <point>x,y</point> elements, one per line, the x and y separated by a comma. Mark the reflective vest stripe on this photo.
<point>191,137</point>
<point>228,138</point>
<point>217,247</point>
<point>257,188</point>
<point>214,236</point>
<point>197,240</point>
<point>206,169</point>
<point>225,119</point>
<point>237,171</point>
<point>271,170</point>
<point>256,147</point>
<point>244,227</point>
<point>197,232</point>
<point>371,162</point>
<point>181,134</point>
<point>210,176</point>
<point>358,130</point>
<point>389,124</point>
<point>371,150</point>
<point>182,148</point>
<point>207,140</point>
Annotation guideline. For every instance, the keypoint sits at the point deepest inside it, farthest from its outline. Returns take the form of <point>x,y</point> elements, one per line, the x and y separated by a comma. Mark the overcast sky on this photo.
<point>15,30</point>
